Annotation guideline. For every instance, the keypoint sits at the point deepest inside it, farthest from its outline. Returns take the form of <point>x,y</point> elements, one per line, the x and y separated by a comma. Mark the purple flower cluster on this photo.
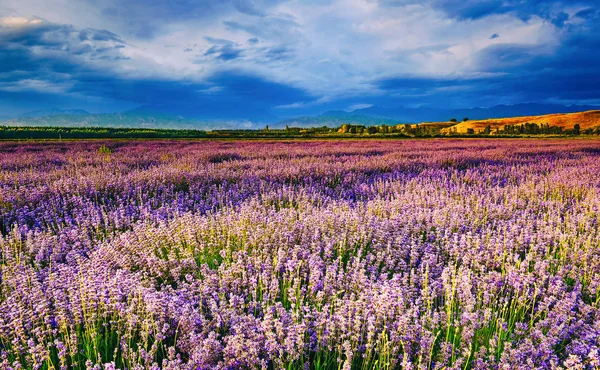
<point>431,254</point>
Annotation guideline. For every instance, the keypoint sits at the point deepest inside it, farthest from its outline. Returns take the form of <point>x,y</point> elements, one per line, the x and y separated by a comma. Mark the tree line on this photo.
<point>344,130</point>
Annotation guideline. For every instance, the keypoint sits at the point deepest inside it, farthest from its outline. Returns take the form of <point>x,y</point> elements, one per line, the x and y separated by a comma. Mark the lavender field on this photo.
<point>432,254</point>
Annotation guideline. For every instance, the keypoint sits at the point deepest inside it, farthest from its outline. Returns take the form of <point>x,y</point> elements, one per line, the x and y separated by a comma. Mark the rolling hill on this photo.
<point>404,114</point>
<point>567,121</point>
<point>376,115</point>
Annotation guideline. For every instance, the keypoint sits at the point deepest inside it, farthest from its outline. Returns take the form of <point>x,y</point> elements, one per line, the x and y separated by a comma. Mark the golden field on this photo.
<point>585,120</point>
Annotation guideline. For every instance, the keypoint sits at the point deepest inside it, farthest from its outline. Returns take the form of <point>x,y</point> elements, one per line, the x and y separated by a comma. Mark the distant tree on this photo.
<point>465,119</point>
<point>267,128</point>
<point>453,120</point>
<point>487,130</point>
<point>372,129</point>
<point>470,131</point>
<point>576,129</point>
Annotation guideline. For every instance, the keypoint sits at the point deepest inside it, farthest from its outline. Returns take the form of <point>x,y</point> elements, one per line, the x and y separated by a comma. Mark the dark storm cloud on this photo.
<point>280,52</point>
<point>522,72</point>
<point>476,9</point>
<point>214,40</point>
<point>267,28</point>
<point>236,95</point>
<point>223,52</point>
<point>499,57</point>
<point>248,7</point>
<point>588,13</point>
<point>254,44</point>
<point>29,73</point>
<point>519,73</point>
<point>99,35</point>
<point>52,52</point>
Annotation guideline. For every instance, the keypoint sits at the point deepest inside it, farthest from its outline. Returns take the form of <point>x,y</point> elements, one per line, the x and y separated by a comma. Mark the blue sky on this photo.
<point>274,58</point>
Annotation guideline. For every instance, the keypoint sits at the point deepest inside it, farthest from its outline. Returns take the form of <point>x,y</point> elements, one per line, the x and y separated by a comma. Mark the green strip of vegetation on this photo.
<point>10,132</point>
<point>344,131</point>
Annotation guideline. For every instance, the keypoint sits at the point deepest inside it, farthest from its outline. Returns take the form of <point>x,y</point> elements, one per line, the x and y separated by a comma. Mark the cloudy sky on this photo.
<point>288,58</point>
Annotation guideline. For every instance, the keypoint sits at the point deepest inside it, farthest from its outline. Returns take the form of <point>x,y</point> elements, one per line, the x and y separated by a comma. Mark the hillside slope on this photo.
<point>585,120</point>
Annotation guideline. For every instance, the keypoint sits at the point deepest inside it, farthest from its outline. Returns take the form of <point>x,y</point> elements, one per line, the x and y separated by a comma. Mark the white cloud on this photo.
<point>330,49</point>
<point>17,22</point>
<point>36,85</point>
<point>354,107</point>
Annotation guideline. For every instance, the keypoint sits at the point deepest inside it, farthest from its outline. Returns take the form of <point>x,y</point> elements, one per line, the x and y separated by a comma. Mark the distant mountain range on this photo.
<point>124,120</point>
<point>54,112</point>
<point>205,111</point>
<point>336,118</point>
<point>170,117</point>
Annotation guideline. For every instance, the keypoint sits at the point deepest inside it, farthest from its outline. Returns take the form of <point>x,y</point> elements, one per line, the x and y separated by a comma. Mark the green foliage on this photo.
<point>345,130</point>
<point>532,129</point>
<point>30,132</point>
<point>104,150</point>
